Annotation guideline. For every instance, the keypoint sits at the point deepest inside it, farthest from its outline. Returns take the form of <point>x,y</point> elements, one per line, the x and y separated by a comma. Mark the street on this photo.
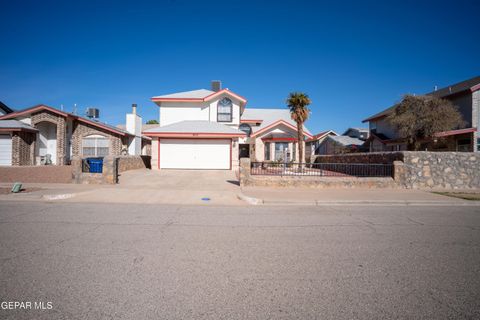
<point>140,261</point>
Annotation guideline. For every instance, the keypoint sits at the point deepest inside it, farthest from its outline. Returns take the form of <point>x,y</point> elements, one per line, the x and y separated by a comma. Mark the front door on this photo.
<point>244,151</point>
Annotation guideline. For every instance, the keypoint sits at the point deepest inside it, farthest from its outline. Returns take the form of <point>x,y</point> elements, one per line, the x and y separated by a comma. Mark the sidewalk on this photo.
<point>228,195</point>
<point>360,196</point>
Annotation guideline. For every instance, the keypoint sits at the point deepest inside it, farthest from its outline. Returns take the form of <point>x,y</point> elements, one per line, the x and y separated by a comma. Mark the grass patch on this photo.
<point>461,195</point>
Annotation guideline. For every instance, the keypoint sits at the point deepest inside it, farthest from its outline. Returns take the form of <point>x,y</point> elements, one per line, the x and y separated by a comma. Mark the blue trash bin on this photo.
<point>95,164</point>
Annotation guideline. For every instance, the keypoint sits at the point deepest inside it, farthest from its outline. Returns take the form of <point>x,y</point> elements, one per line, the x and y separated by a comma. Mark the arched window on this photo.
<point>95,146</point>
<point>246,128</point>
<point>224,110</point>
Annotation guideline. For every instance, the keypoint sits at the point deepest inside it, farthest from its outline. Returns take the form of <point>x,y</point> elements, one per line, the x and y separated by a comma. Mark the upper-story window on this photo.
<point>245,127</point>
<point>224,110</point>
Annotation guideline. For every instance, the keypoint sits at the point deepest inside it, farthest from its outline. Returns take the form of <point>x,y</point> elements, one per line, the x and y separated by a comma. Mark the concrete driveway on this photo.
<point>193,180</point>
<point>188,187</point>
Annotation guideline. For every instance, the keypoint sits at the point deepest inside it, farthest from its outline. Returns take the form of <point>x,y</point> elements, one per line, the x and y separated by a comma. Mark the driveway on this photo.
<point>193,180</point>
<point>187,187</point>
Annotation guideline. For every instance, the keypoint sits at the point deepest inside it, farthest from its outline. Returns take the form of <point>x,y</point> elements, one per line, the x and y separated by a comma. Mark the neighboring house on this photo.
<point>465,95</point>
<point>359,133</point>
<point>212,129</point>
<point>312,145</point>
<point>4,109</point>
<point>34,135</point>
<point>340,144</point>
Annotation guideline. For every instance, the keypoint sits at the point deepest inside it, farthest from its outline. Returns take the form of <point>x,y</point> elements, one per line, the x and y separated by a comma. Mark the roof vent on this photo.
<point>216,85</point>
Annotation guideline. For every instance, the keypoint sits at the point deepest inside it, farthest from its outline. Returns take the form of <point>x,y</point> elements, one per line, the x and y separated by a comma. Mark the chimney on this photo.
<point>134,126</point>
<point>216,85</point>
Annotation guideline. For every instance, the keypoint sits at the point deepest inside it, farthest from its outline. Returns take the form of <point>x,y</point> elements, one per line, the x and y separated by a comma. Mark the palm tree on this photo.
<point>298,103</point>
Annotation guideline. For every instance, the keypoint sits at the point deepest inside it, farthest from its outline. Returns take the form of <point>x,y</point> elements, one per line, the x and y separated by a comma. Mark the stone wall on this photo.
<point>438,170</point>
<point>126,163</point>
<point>412,169</point>
<point>247,179</point>
<point>318,182</point>
<point>36,174</point>
<point>61,123</point>
<point>23,148</point>
<point>109,173</point>
<point>366,157</point>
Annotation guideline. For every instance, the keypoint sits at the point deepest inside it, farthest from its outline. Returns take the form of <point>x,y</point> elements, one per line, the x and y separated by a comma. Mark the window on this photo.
<point>280,151</point>
<point>463,145</point>
<point>267,150</point>
<point>478,144</point>
<point>224,110</point>
<point>95,146</point>
<point>246,128</point>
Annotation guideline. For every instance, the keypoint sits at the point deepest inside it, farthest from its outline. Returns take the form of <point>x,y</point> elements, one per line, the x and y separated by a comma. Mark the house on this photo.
<point>4,109</point>
<point>359,133</point>
<point>213,129</point>
<point>465,95</point>
<point>312,144</point>
<point>46,135</point>
<point>340,144</point>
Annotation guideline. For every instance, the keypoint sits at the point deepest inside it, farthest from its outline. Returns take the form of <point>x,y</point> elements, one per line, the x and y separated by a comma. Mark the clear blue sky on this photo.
<point>353,59</point>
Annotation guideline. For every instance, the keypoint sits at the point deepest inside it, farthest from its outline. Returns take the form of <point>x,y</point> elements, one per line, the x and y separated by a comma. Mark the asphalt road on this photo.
<point>105,261</point>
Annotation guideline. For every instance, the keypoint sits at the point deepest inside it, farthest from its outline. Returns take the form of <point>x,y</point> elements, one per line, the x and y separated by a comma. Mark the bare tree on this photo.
<point>418,118</point>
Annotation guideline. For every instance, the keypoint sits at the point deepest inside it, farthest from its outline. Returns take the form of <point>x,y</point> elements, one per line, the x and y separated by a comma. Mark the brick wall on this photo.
<point>81,130</point>
<point>23,148</point>
<point>369,157</point>
<point>36,174</point>
<point>60,122</point>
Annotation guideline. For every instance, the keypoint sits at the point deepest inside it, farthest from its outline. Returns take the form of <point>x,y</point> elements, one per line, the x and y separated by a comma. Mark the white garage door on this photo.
<point>194,154</point>
<point>5,150</point>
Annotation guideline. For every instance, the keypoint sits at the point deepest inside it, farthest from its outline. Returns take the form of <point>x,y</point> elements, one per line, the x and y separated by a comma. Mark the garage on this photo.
<point>5,150</point>
<point>195,154</point>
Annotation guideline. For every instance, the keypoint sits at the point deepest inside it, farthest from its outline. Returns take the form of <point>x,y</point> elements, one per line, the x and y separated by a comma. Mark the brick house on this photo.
<point>42,134</point>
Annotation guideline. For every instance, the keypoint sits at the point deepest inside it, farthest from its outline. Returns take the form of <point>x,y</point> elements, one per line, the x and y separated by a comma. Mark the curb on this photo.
<point>249,200</point>
<point>52,197</point>
<point>257,201</point>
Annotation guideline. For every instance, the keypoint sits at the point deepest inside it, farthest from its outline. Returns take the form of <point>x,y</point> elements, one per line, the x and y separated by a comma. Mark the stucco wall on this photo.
<point>172,112</point>
<point>476,117</point>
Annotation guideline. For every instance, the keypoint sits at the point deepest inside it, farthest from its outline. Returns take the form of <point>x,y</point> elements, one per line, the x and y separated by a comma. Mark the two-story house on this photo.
<point>213,129</point>
<point>465,95</point>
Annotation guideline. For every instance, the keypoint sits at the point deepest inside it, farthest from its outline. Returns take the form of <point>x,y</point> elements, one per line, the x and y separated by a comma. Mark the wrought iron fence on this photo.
<point>322,169</point>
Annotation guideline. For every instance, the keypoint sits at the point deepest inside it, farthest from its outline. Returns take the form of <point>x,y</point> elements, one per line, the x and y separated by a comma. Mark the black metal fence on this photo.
<point>322,169</point>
